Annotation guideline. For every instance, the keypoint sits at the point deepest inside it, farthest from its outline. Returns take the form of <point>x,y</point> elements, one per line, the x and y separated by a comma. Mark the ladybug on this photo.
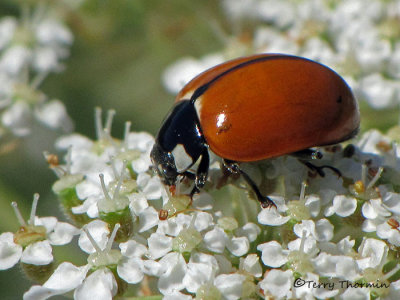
<point>254,108</point>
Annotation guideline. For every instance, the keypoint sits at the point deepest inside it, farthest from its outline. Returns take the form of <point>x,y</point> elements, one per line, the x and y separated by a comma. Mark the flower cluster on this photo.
<point>328,231</point>
<point>357,38</point>
<point>31,47</point>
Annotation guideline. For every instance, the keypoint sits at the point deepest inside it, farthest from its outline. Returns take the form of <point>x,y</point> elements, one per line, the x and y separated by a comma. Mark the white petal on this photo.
<point>347,268</point>
<point>75,140</point>
<point>392,201</point>
<point>177,296</point>
<point>86,189</point>
<point>39,253</point>
<point>141,141</point>
<point>138,202</point>
<point>140,165</point>
<point>230,285</point>
<point>148,218</point>
<point>180,73</point>
<point>99,231</point>
<point>172,279</point>
<point>356,294</point>
<point>130,270</point>
<point>14,59</point>
<point>132,248</point>
<point>63,234</point>
<point>45,59</point>
<point>215,240</point>
<point>272,254</point>
<point>368,211</point>
<point>18,118</point>
<point>89,204</point>
<point>346,245</point>
<point>374,249</point>
<point>66,277</point>
<point>369,225</point>
<point>313,203</point>
<point>152,268</point>
<point>100,285</point>
<point>278,283</point>
<point>7,29</point>
<point>203,221</point>
<point>249,230</point>
<point>252,265</point>
<point>151,186</point>
<point>38,292</point>
<point>238,246</point>
<point>10,253</point>
<point>159,245</point>
<point>323,230</point>
<point>325,264</point>
<point>225,265</point>
<point>270,216</point>
<point>51,31</point>
<point>54,115</point>
<point>307,226</point>
<point>345,206</point>
<point>196,275</point>
<point>309,246</point>
<point>210,260</point>
<point>48,222</point>
<point>203,201</point>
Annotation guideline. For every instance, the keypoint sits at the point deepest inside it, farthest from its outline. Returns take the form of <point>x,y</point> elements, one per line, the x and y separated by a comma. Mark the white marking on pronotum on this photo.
<point>197,106</point>
<point>187,95</point>
<point>182,159</point>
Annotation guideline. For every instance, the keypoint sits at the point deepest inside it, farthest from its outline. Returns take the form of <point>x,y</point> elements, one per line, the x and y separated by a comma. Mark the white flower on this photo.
<point>14,59</point>
<point>32,245</point>
<point>10,252</point>
<point>7,29</point>
<point>379,92</point>
<point>64,279</point>
<point>54,115</point>
<point>342,205</point>
<point>251,264</point>
<point>173,270</point>
<point>339,266</point>
<point>52,32</point>
<point>216,240</point>
<point>271,216</point>
<point>18,118</point>
<point>181,72</point>
<point>100,285</point>
<point>159,245</point>
<point>230,285</point>
<point>272,254</point>
<point>277,283</point>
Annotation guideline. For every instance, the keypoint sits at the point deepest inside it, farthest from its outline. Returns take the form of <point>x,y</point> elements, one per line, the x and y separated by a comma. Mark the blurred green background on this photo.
<point>120,50</point>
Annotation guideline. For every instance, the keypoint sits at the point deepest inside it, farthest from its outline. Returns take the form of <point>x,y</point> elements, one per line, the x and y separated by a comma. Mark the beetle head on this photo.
<point>164,164</point>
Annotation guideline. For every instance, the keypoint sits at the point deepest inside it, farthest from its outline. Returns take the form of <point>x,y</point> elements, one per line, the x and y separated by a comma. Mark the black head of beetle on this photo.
<point>179,144</point>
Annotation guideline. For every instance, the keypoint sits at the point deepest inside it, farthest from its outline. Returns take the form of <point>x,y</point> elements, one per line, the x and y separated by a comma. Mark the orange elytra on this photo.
<point>253,108</point>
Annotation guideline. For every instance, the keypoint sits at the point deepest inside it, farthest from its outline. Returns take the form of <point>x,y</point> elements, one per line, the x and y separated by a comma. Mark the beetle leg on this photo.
<point>235,169</point>
<point>189,175</point>
<point>202,172</point>
<point>309,154</point>
<point>319,169</point>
